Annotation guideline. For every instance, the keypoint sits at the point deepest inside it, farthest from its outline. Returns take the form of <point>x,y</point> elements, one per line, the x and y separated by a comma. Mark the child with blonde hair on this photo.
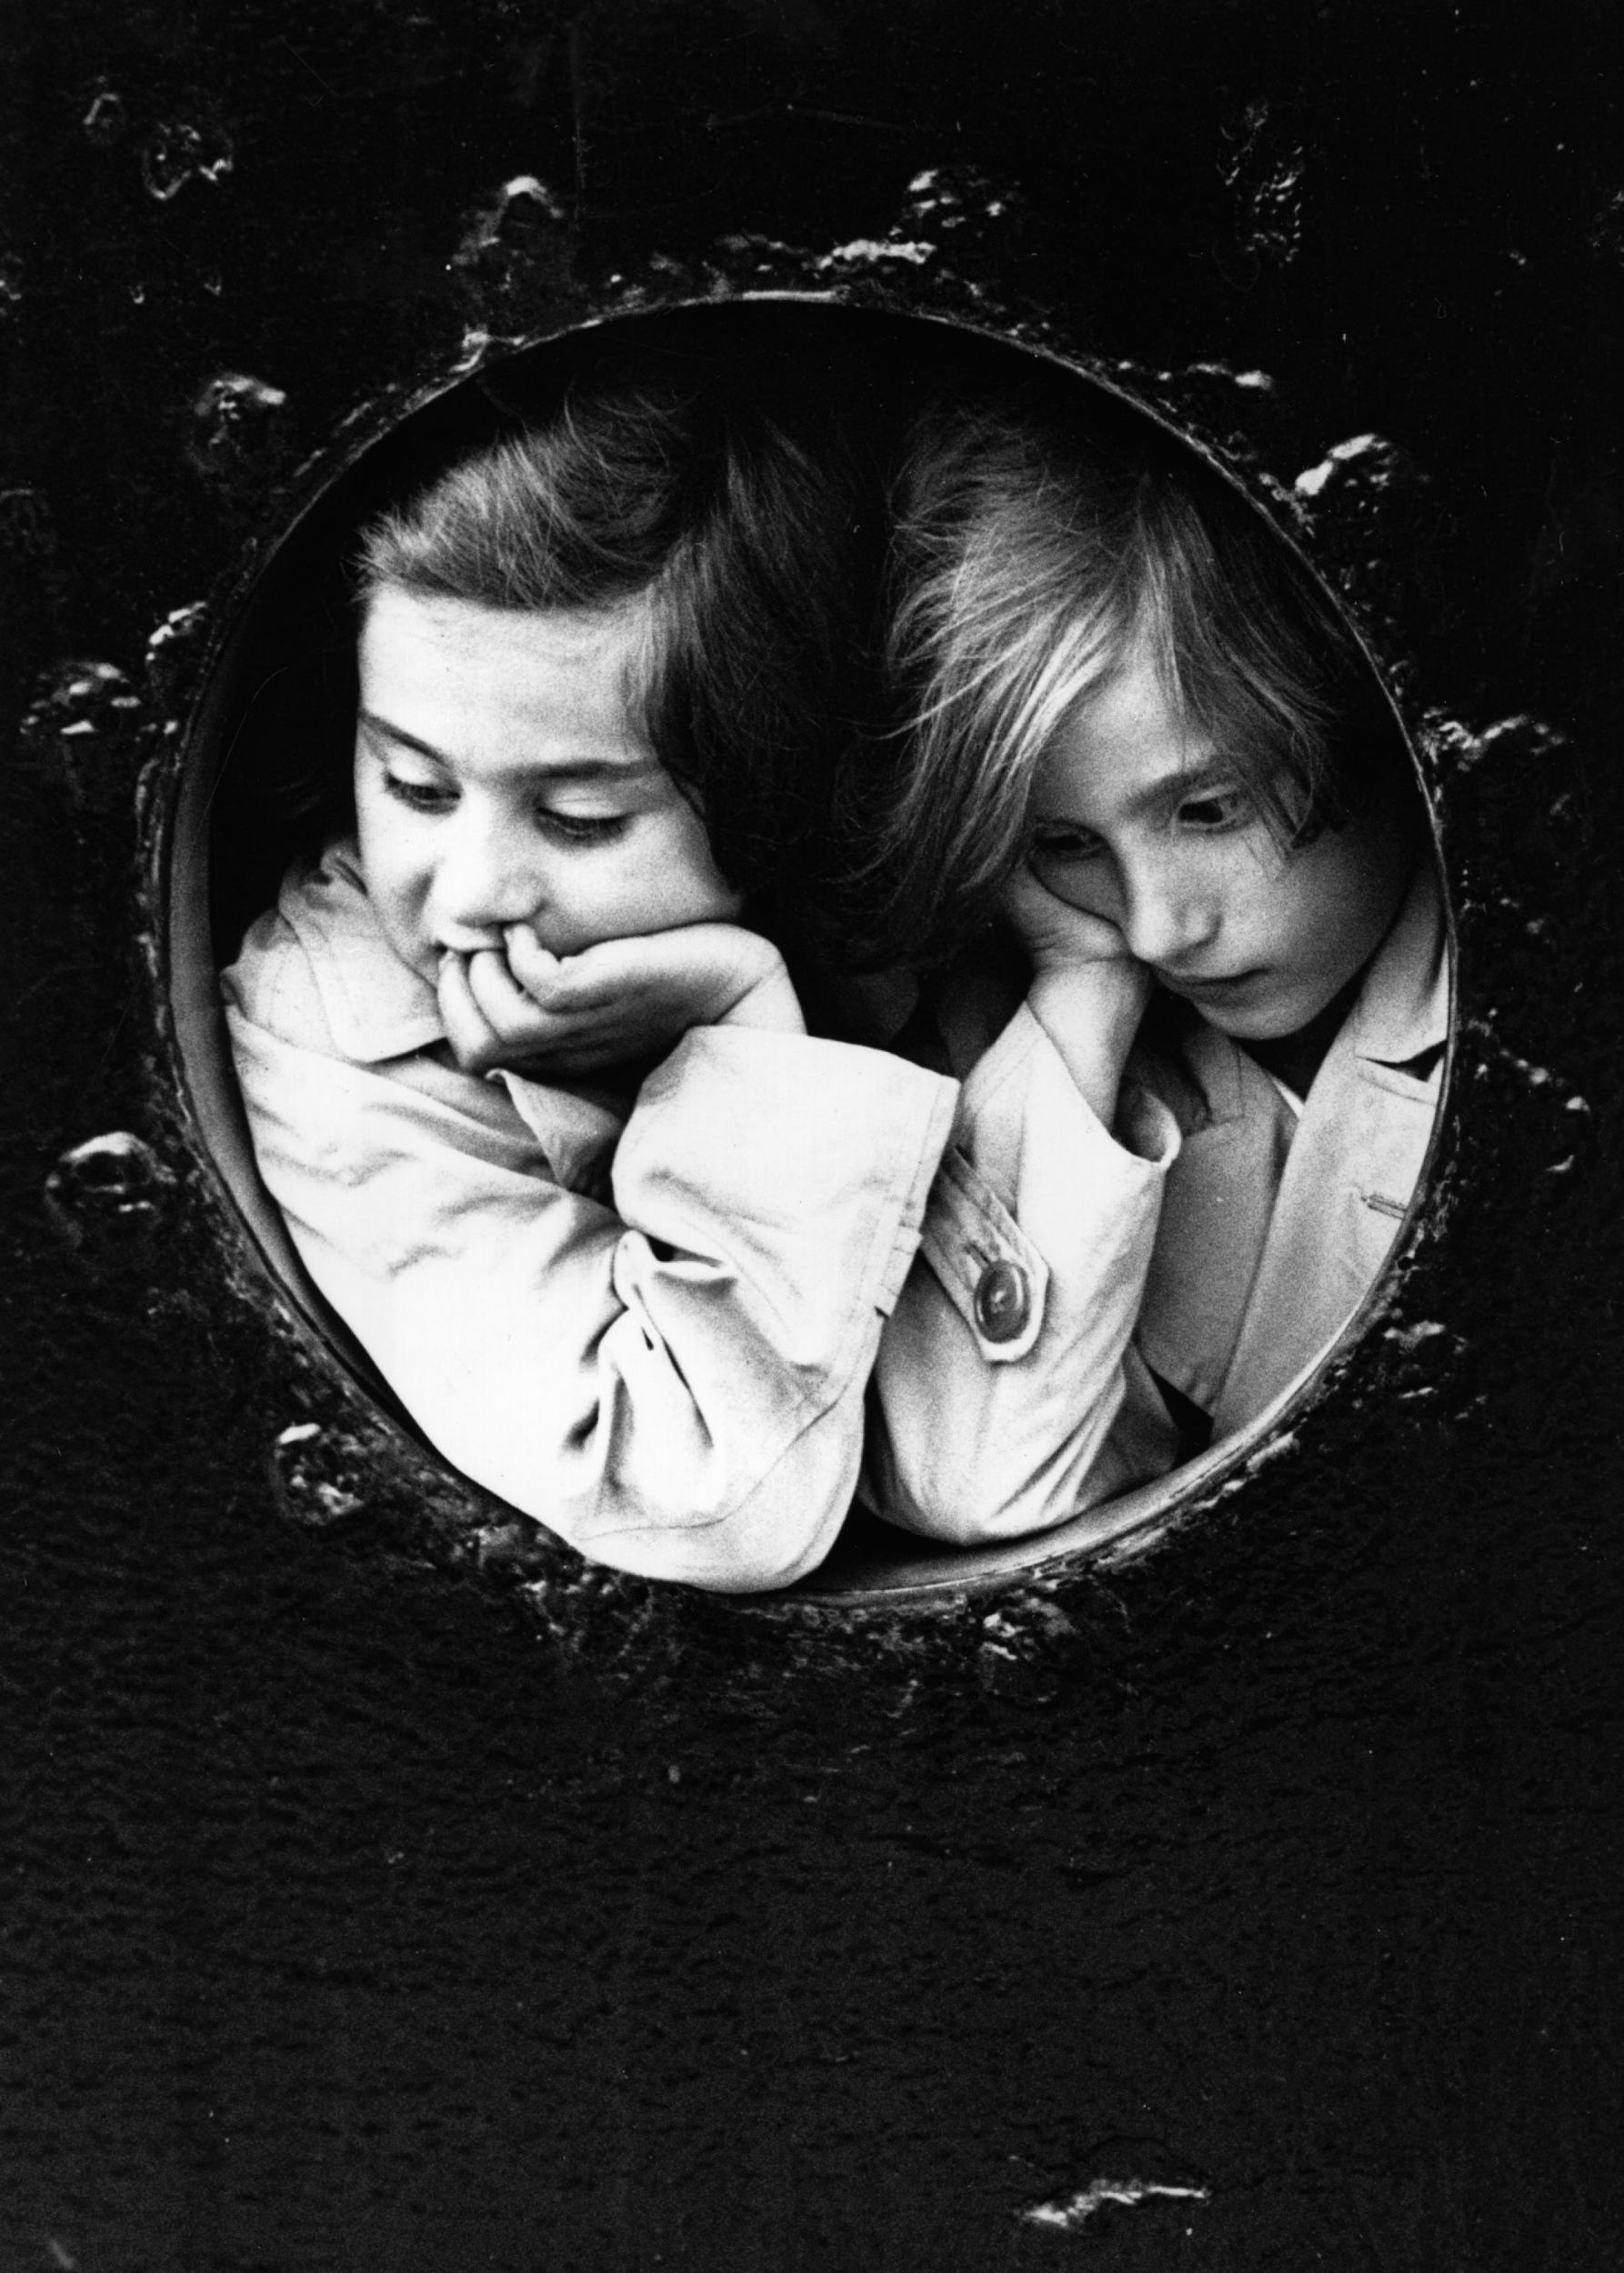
<point>1145,742</point>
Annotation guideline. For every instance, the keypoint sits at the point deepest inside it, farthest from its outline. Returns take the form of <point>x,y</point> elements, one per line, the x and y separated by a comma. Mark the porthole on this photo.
<point>1348,925</point>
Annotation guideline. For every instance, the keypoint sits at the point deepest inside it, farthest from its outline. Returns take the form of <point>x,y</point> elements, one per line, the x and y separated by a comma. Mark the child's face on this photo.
<point>1141,820</point>
<point>502,778</point>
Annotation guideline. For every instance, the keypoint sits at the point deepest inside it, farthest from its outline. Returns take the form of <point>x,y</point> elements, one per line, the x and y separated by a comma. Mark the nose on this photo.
<point>484,878</point>
<point>1166,918</point>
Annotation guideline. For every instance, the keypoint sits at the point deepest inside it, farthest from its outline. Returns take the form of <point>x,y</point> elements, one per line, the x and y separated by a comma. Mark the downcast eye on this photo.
<point>419,797</point>
<point>579,828</point>
<point>1217,810</point>
<point>1053,845</point>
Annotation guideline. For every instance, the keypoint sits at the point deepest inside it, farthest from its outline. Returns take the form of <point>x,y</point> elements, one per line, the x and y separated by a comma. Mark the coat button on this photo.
<point>1003,1301</point>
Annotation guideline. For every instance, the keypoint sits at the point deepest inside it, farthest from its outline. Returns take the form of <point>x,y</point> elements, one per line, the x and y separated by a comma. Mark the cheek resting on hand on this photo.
<point>1054,934</point>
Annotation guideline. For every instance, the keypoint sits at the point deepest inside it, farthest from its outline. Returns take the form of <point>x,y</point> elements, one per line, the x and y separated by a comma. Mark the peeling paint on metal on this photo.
<point>1263,165</point>
<point>1310,483</point>
<point>110,1199</point>
<point>1072,2215</point>
<point>237,427</point>
<point>182,150</point>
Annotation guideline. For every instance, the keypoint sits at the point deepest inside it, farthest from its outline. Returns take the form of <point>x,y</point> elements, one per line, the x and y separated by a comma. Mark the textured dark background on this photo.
<point>365,1909</point>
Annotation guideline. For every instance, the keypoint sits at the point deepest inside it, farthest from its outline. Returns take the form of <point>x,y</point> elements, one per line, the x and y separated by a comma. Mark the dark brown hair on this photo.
<point>732,488</point>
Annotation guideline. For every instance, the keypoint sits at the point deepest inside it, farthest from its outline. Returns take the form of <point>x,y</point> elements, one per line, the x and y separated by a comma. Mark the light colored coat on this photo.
<point>651,1321</point>
<point>1260,1237</point>
<point>1273,1229</point>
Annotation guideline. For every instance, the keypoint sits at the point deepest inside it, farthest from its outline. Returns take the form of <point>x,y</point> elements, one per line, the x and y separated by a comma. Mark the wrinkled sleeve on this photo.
<point>978,1434</point>
<point>673,1381</point>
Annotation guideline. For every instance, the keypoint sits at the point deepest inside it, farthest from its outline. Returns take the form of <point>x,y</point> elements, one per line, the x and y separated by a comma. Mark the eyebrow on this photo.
<point>1173,788</point>
<point>1190,781</point>
<point>555,769</point>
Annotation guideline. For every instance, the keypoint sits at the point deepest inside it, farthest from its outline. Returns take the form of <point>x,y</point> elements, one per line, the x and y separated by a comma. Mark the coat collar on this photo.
<point>1403,1008</point>
<point>376,1007</point>
<point>1273,1231</point>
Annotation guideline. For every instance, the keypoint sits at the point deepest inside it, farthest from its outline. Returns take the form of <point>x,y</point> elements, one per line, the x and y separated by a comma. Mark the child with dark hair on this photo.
<point>1144,739</point>
<point>524,1065</point>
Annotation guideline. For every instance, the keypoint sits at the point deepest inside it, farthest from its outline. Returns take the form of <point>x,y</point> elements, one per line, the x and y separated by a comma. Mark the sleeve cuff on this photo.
<point>817,1156</point>
<point>968,1231</point>
<point>1031,1172</point>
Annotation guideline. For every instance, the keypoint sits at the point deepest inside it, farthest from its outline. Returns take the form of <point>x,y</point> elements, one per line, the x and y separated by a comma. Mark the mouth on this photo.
<point>1234,988</point>
<point>470,944</point>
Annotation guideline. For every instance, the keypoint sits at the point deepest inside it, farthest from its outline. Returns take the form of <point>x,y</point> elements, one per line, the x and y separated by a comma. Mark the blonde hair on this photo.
<point>1031,562</point>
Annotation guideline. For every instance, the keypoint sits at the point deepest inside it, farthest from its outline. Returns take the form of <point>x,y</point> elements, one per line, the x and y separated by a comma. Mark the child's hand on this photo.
<point>1087,992</point>
<point>621,1002</point>
<point>1057,936</point>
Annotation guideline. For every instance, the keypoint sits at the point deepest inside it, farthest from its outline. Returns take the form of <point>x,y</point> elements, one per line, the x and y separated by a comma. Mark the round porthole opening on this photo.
<point>1262,1165</point>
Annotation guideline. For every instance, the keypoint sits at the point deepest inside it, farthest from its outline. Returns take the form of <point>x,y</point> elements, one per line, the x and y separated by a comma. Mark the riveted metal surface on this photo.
<point>387,1889</point>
